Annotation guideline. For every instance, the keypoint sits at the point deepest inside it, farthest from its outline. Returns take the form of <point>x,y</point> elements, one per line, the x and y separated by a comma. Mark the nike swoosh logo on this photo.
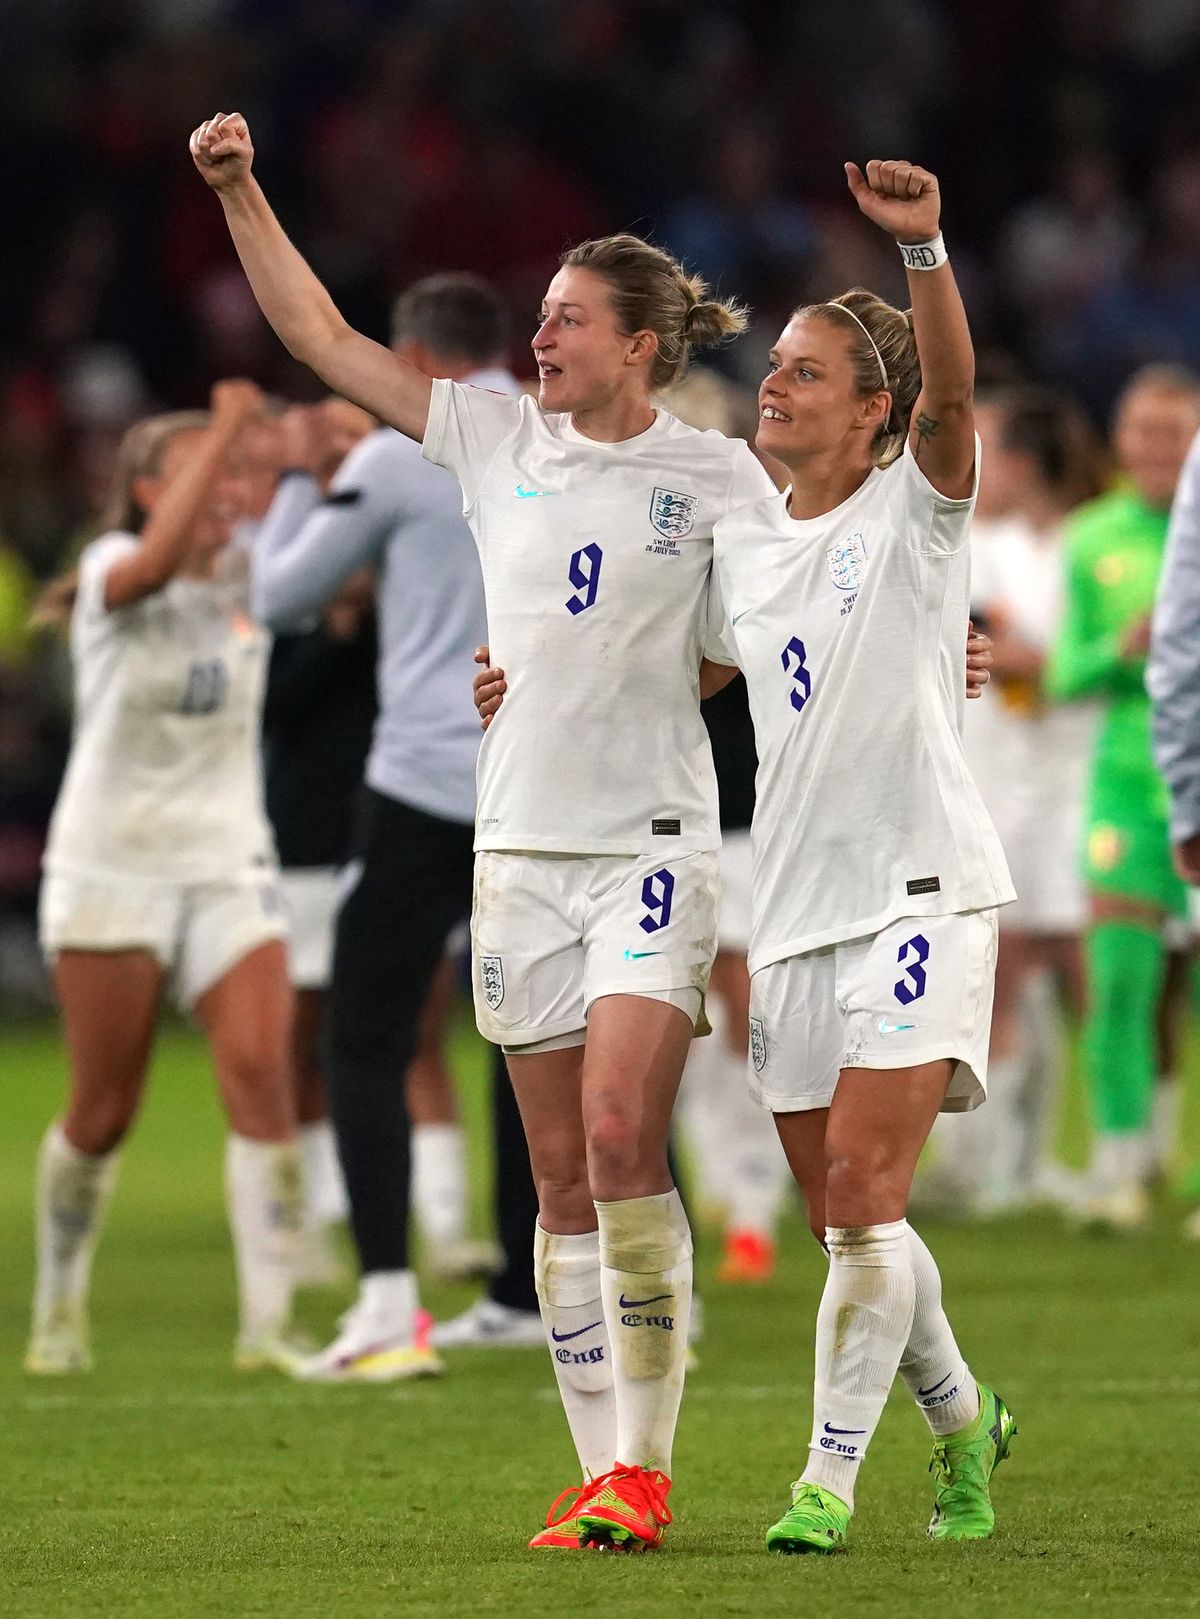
<point>636,1304</point>
<point>561,1337</point>
<point>934,1388</point>
<point>829,1428</point>
<point>638,955</point>
<point>893,1028</point>
<point>531,494</point>
<point>742,614</point>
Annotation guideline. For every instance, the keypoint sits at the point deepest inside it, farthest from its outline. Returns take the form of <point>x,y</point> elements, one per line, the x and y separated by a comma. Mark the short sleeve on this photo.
<point>932,522</point>
<point>464,429</point>
<point>718,637</point>
<point>94,567</point>
<point>750,480</point>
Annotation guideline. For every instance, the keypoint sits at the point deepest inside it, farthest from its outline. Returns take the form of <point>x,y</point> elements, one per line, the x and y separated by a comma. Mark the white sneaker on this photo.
<point>368,1351</point>
<point>1125,1208</point>
<point>463,1259</point>
<point>488,1325</point>
<point>59,1343</point>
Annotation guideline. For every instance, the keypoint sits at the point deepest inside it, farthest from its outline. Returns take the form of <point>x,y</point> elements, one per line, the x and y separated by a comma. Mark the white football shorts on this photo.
<point>311,896</point>
<point>196,931</point>
<point>919,990</point>
<point>551,933</point>
<point>733,919</point>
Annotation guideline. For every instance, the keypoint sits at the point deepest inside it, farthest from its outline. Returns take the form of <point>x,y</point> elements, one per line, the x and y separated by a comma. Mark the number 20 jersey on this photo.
<point>851,630</point>
<point>164,779</point>
<point>596,568</point>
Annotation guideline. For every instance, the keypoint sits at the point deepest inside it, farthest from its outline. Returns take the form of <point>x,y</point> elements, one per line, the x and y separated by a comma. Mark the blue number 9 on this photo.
<point>800,674</point>
<point>657,891</point>
<point>584,574</point>
<point>907,993</point>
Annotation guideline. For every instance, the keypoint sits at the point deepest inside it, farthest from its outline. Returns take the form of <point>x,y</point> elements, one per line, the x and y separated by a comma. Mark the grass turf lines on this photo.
<point>165,1485</point>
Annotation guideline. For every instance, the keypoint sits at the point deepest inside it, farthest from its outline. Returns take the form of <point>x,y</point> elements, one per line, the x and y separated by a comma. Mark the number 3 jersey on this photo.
<point>596,567</point>
<point>851,631</point>
<point>164,777</point>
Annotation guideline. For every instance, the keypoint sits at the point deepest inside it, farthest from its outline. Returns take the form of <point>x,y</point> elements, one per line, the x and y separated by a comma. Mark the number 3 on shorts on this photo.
<point>907,993</point>
<point>656,897</point>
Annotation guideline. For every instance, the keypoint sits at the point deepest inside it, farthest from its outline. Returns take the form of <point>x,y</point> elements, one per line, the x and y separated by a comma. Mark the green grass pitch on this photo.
<point>164,1485</point>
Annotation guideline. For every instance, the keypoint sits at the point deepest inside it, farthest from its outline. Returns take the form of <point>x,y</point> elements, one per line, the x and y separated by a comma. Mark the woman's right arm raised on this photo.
<point>290,295</point>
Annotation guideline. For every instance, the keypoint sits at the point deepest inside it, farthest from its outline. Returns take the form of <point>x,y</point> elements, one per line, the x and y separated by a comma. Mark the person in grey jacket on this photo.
<point>408,883</point>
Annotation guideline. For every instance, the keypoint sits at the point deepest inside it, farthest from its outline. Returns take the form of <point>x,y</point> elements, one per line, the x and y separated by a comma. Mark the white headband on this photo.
<point>883,376</point>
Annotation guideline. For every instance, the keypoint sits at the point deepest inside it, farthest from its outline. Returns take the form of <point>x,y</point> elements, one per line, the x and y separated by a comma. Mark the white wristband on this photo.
<point>924,255</point>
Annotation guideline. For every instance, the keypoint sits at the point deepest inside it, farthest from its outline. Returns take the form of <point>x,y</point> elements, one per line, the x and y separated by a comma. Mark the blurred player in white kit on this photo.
<point>160,866</point>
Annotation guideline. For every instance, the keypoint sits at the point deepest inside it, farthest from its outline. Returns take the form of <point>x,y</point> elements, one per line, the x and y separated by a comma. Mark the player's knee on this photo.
<point>100,1123</point>
<point>254,1079</point>
<point>858,1182</point>
<point>564,1197</point>
<point>616,1150</point>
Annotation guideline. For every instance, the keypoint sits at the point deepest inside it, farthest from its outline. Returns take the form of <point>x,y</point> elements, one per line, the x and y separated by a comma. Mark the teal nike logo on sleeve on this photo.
<point>532,494</point>
<point>639,955</point>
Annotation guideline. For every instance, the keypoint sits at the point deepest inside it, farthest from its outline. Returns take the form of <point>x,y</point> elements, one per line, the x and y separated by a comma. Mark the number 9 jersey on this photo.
<point>596,565</point>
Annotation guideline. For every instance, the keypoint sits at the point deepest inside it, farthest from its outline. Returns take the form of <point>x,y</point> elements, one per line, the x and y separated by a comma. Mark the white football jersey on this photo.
<point>851,630</point>
<point>164,777</point>
<point>596,569</point>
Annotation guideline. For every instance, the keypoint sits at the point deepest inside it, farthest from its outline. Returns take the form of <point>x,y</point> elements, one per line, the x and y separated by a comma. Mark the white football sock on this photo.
<point>263,1192</point>
<point>439,1181</point>
<point>700,1117</point>
<point>567,1273</point>
<point>863,1324</point>
<point>73,1189</point>
<point>1118,1161</point>
<point>1003,1119</point>
<point>646,1286</point>
<point>1042,1020</point>
<point>389,1302</point>
<point>324,1189</point>
<point>932,1365</point>
<point>1166,1108</point>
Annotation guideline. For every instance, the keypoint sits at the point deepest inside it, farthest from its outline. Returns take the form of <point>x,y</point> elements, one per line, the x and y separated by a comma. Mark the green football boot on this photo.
<point>963,1464</point>
<point>816,1521</point>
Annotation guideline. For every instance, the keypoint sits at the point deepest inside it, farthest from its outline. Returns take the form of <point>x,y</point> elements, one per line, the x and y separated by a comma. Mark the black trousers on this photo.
<point>411,885</point>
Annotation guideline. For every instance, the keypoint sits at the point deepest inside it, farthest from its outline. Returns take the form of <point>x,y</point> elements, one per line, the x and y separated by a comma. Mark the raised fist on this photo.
<point>222,150</point>
<point>901,198</point>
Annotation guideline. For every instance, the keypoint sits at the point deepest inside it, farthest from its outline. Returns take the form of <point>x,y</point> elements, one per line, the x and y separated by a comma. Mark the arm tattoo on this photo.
<point>926,429</point>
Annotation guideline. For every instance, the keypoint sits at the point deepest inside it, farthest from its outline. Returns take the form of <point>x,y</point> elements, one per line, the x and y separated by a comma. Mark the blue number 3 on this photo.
<point>584,574</point>
<point>800,674</point>
<point>914,972</point>
<point>657,892</point>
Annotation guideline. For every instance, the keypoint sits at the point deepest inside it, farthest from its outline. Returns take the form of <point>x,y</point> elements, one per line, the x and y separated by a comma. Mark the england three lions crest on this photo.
<point>848,561</point>
<point>673,514</point>
<point>758,1044</point>
<point>491,980</point>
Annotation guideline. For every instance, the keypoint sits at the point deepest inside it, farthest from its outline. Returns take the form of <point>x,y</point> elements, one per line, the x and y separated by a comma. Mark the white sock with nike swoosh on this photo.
<point>932,1365</point>
<point>863,1324</point>
<point>646,1285</point>
<point>567,1274</point>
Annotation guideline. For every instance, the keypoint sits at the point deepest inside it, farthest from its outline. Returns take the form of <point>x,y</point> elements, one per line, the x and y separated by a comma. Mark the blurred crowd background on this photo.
<point>399,139</point>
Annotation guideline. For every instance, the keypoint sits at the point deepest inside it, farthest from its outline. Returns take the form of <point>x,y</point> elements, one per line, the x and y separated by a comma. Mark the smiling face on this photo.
<point>584,360</point>
<point>808,404</point>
